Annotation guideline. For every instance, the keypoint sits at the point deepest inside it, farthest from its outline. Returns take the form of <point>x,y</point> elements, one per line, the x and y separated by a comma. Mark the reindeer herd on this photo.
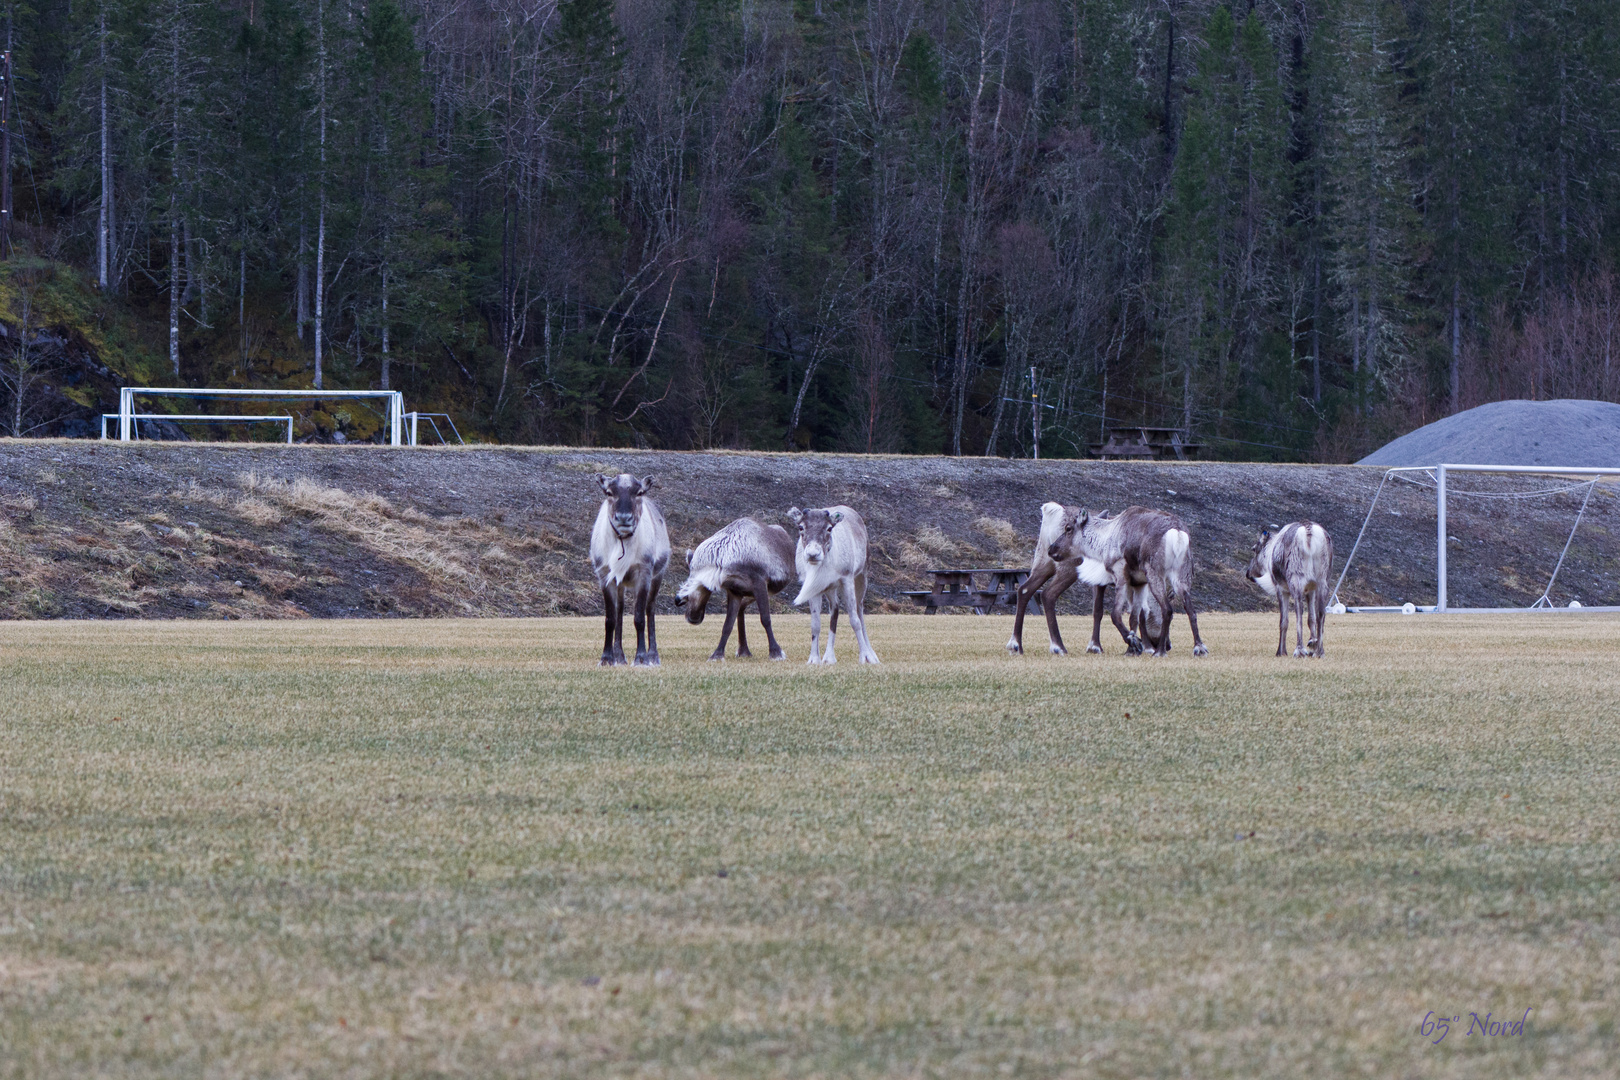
<point>1144,554</point>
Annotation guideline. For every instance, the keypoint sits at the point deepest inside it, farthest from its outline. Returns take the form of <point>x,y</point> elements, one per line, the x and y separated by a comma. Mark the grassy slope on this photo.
<point>459,848</point>
<point>165,530</point>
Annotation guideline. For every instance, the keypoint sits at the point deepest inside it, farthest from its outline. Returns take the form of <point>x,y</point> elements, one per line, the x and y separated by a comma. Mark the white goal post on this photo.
<point>1439,473</point>
<point>127,395</point>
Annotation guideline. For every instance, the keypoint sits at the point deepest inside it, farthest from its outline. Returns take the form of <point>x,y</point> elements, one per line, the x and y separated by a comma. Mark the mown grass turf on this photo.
<point>459,848</point>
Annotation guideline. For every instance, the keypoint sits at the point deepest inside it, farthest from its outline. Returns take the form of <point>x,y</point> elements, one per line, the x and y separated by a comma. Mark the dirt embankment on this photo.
<point>92,530</point>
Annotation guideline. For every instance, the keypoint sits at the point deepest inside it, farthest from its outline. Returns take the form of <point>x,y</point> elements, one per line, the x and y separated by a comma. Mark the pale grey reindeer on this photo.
<point>830,557</point>
<point>629,548</point>
<point>1140,548</point>
<point>748,562</point>
<point>1294,566</point>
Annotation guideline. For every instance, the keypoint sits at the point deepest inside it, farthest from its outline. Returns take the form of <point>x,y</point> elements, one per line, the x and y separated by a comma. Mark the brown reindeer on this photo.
<point>1139,548</point>
<point>1052,578</point>
<point>629,547</point>
<point>748,562</point>
<point>1294,566</point>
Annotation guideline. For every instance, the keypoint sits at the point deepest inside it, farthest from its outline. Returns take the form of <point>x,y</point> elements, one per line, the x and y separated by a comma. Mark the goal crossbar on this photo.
<point>1439,474</point>
<point>395,403</point>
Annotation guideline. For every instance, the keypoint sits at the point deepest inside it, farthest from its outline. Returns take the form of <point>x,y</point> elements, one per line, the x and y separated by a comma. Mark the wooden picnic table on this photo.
<point>996,590</point>
<point>1137,441</point>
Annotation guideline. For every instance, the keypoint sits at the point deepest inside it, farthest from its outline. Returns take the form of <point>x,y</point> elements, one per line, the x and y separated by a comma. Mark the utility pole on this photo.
<point>1035,412</point>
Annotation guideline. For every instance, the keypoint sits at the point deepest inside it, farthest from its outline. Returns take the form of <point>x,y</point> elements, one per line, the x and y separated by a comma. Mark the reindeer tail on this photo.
<point>1178,560</point>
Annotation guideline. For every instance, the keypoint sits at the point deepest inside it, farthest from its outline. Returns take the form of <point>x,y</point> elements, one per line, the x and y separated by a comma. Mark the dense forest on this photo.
<point>1293,227</point>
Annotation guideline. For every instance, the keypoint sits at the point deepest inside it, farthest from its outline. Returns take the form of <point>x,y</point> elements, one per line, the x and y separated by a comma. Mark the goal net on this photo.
<point>1476,502</point>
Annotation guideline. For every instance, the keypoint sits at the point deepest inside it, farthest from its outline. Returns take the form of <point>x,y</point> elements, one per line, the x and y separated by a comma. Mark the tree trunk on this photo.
<point>174,195</point>
<point>320,230</point>
<point>386,359</point>
<point>302,302</point>
<point>104,218</point>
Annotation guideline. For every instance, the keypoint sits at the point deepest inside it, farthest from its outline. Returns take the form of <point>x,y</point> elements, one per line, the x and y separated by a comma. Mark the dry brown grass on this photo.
<point>459,848</point>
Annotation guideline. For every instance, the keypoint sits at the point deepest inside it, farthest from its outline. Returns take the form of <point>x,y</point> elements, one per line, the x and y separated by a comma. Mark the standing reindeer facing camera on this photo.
<point>1294,566</point>
<point>831,560</point>
<point>629,547</point>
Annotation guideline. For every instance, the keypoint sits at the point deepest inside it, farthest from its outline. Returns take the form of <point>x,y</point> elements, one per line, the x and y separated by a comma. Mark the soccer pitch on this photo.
<point>458,848</point>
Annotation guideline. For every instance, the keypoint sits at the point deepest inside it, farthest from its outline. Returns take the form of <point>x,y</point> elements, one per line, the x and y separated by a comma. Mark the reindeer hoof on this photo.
<point>1200,649</point>
<point>1094,648</point>
<point>716,655</point>
<point>1014,648</point>
<point>1058,650</point>
<point>778,654</point>
<point>744,654</point>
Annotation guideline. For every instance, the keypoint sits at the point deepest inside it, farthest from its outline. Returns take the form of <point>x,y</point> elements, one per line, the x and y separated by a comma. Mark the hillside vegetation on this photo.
<point>163,530</point>
<point>1296,229</point>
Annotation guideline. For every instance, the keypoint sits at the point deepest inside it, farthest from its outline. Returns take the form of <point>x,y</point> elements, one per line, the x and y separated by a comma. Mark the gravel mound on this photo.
<point>1575,433</point>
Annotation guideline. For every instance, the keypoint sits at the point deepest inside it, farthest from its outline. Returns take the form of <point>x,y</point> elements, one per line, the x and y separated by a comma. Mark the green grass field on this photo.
<point>437,848</point>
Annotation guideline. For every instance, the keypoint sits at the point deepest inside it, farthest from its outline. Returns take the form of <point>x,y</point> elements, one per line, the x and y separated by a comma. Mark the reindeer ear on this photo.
<point>646,484</point>
<point>1265,534</point>
<point>689,553</point>
<point>1080,522</point>
<point>837,516</point>
<point>605,482</point>
<point>796,515</point>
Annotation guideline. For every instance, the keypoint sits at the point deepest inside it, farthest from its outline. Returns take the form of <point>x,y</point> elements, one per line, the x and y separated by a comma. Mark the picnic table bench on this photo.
<point>997,590</point>
<point>1154,443</point>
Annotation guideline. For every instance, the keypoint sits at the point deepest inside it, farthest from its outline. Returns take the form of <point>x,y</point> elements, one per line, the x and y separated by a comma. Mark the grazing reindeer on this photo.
<point>1052,578</point>
<point>1294,566</point>
<point>831,560</point>
<point>1139,548</point>
<point>747,560</point>
<point>629,546</point>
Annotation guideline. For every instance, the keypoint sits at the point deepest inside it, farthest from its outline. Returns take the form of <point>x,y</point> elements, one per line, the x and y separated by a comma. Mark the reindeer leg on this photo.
<point>607,642</point>
<point>856,591</point>
<point>1122,596</point>
<point>1199,648</point>
<point>1095,644</point>
<point>832,633</point>
<point>1282,623</point>
<point>641,622</point>
<point>725,631</point>
<point>1030,586</point>
<point>762,599</point>
<point>1299,624</point>
<point>618,624</point>
<point>652,622</point>
<point>1061,580</point>
<point>743,600</point>
<point>1319,605</point>
<point>815,629</point>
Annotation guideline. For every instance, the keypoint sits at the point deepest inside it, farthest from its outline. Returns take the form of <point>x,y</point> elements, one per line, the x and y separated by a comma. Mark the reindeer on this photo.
<point>1139,548</point>
<point>1294,566</point>
<point>747,560</point>
<point>831,560</point>
<point>1052,578</point>
<point>629,546</point>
